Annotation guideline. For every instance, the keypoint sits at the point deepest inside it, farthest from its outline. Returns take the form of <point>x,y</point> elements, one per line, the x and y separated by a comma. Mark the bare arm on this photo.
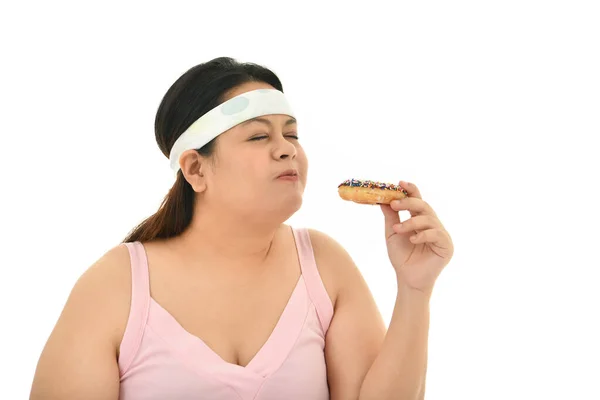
<point>79,360</point>
<point>357,330</point>
<point>364,359</point>
<point>399,370</point>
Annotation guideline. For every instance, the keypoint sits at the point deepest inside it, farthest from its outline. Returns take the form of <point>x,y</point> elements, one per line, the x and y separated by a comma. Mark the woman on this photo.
<point>214,297</point>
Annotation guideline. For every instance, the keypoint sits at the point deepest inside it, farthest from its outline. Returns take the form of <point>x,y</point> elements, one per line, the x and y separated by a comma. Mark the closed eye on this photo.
<point>266,137</point>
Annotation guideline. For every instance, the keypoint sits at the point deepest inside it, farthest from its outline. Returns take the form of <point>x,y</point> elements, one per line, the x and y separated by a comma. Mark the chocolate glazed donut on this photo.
<point>370,192</point>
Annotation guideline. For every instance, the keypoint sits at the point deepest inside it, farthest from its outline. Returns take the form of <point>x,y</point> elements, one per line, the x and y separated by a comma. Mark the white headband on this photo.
<point>227,115</point>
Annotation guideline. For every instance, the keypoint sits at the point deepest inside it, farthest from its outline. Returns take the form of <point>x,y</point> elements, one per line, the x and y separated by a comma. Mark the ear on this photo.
<point>193,166</point>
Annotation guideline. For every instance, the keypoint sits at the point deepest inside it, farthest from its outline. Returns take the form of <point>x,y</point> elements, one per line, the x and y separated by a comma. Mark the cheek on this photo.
<point>228,175</point>
<point>302,161</point>
<point>248,173</point>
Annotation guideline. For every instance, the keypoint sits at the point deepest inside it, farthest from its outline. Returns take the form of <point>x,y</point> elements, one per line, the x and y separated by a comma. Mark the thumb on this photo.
<point>391,218</point>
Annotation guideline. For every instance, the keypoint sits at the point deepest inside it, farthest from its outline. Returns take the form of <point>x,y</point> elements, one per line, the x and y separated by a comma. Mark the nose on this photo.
<point>284,149</point>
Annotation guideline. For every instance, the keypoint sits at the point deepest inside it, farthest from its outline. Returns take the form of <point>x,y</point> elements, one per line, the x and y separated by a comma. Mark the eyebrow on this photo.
<point>266,121</point>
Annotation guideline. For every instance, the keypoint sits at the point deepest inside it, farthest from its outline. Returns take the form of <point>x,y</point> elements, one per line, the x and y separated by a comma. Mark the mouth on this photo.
<point>290,173</point>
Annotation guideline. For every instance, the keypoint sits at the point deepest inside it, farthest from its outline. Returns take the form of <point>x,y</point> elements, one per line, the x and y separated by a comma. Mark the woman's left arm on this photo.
<point>400,368</point>
<point>364,361</point>
<point>419,248</point>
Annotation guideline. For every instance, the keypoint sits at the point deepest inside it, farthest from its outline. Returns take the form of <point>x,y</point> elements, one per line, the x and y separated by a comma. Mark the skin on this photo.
<point>249,157</point>
<point>232,232</point>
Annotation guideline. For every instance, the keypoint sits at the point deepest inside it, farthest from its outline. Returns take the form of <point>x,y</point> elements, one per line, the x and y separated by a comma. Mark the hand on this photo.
<point>419,248</point>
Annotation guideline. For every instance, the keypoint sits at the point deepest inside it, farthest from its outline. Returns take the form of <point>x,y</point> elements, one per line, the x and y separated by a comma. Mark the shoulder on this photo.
<point>336,266</point>
<point>109,274</point>
<point>101,296</point>
<point>325,246</point>
<point>80,358</point>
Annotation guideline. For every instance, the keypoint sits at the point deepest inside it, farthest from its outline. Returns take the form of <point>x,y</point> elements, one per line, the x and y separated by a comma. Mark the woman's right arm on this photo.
<point>79,360</point>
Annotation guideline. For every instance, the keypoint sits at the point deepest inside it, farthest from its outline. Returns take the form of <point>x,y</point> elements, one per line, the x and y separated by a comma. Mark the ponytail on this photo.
<point>172,218</point>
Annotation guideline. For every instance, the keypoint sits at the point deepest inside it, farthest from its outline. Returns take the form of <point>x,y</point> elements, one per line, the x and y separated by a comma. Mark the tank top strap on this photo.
<point>140,304</point>
<point>312,278</point>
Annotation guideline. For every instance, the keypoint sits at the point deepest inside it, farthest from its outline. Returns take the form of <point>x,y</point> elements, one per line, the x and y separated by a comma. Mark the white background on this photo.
<point>491,108</point>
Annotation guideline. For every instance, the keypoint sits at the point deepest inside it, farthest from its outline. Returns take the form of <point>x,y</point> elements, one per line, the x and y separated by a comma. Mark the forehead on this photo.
<point>270,120</point>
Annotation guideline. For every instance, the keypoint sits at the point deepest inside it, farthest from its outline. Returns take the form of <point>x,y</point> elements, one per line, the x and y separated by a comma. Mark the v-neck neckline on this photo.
<point>267,359</point>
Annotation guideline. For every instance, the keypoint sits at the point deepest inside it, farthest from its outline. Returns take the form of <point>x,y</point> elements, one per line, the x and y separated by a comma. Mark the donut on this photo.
<point>370,192</point>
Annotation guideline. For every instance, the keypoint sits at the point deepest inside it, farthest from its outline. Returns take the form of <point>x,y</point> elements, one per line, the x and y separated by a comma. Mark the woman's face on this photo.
<point>249,159</point>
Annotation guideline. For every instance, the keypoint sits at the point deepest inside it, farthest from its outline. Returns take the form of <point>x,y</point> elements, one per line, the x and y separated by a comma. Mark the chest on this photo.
<point>233,316</point>
<point>235,326</point>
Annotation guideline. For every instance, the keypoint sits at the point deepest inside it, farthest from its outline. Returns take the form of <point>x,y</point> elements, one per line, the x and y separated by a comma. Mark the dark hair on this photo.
<point>196,92</point>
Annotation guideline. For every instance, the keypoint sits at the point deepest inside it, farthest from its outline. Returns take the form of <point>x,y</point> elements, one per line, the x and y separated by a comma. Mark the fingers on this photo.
<point>415,205</point>
<point>391,218</point>
<point>411,188</point>
<point>418,224</point>
<point>390,215</point>
<point>437,237</point>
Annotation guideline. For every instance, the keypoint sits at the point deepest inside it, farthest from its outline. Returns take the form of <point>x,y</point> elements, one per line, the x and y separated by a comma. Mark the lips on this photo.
<point>288,172</point>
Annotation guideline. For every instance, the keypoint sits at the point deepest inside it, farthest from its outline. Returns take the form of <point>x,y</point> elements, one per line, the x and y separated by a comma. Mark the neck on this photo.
<point>226,238</point>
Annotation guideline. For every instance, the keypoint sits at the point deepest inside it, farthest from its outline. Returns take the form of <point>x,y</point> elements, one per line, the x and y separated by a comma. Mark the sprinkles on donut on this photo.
<point>370,192</point>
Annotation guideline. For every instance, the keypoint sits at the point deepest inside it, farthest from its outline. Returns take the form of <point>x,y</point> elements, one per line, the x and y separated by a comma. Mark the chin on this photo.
<point>286,206</point>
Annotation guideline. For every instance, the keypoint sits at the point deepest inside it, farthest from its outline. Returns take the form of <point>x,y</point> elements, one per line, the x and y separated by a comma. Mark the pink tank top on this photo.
<point>161,360</point>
